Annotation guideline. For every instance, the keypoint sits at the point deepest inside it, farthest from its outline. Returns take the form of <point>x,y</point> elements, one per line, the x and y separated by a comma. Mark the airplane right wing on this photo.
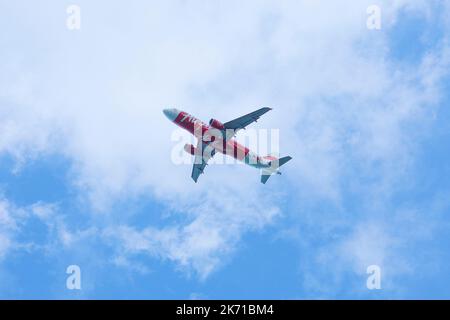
<point>201,159</point>
<point>242,122</point>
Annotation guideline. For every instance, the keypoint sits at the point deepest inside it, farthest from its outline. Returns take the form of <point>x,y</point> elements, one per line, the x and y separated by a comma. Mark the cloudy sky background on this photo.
<point>86,175</point>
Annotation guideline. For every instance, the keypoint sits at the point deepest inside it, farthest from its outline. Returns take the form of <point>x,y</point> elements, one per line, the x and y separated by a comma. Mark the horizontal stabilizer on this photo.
<point>283,161</point>
<point>275,164</point>
<point>264,178</point>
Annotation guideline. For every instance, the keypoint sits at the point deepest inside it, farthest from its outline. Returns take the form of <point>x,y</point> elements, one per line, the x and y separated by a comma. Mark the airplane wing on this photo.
<point>242,122</point>
<point>201,160</point>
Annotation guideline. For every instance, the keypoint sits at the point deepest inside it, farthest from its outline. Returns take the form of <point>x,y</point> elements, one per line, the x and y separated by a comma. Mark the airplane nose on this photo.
<point>171,114</point>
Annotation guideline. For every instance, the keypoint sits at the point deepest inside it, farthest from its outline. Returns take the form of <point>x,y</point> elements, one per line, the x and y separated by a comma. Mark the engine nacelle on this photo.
<point>189,148</point>
<point>216,124</point>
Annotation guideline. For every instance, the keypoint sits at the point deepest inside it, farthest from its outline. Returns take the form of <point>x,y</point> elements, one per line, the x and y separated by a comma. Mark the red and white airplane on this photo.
<point>219,136</point>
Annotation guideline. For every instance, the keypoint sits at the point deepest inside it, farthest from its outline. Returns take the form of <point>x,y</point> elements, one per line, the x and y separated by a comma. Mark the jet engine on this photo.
<point>216,124</point>
<point>189,148</point>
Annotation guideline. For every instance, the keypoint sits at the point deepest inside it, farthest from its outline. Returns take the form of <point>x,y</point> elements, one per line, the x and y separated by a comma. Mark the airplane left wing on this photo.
<point>201,160</point>
<point>242,122</point>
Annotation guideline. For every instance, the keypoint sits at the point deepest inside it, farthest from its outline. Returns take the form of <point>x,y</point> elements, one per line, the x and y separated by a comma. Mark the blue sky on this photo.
<point>86,176</point>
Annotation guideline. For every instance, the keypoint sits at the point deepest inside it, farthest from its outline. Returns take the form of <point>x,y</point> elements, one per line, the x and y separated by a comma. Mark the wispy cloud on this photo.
<point>349,115</point>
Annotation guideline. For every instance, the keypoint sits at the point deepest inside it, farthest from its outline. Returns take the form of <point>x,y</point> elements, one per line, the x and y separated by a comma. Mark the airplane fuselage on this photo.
<point>217,139</point>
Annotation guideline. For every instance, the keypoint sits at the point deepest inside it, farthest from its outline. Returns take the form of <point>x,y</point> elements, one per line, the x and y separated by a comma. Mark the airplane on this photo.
<point>219,137</point>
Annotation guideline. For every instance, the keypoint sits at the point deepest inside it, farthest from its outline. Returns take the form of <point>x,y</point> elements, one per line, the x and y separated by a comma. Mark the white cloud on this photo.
<point>372,243</point>
<point>7,227</point>
<point>395,244</point>
<point>12,221</point>
<point>201,244</point>
<point>96,97</point>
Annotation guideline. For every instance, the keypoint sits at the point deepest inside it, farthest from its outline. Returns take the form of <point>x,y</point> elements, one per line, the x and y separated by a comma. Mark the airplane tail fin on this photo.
<point>274,166</point>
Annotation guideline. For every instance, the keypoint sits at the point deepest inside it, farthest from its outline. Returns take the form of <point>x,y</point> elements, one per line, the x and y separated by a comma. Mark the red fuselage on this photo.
<point>215,137</point>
